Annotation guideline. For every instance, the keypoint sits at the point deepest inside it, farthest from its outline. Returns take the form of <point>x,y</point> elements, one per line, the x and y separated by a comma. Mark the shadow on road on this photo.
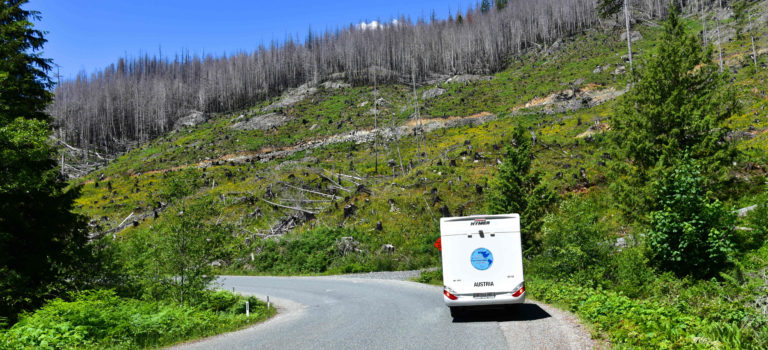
<point>521,312</point>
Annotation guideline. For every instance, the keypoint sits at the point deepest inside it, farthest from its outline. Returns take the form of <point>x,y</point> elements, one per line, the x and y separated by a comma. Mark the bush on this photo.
<point>575,245</point>
<point>101,319</point>
<point>173,260</point>
<point>431,277</point>
<point>690,234</point>
<point>180,185</point>
<point>758,222</point>
<point>648,324</point>
<point>633,274</point>
<point>313,251</point>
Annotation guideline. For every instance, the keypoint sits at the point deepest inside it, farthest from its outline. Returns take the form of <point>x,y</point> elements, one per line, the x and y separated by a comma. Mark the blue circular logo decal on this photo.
<point>481,259</point>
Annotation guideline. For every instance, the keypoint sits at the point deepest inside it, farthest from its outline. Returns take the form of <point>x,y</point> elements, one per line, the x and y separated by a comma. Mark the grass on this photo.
<point>103,320</point>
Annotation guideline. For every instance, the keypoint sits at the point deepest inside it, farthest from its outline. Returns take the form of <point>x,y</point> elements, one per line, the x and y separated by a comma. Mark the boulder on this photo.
<point>432,93</point>
<point>293,96</point>
<point>192,119</point>
<point>261,122</point>
<point>467,78</point>
<point>634,36</point>
<point>333,85</point>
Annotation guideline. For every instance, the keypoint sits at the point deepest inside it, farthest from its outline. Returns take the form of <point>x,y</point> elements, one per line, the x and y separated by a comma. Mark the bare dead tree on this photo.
<point>752,36</point>
<point>629,35</point>
<point>704,23</point>
<point>138,98</point>
<point>376,121</point>
<point>719,40</point>
<point>397,142</point>
<point>417,119</point>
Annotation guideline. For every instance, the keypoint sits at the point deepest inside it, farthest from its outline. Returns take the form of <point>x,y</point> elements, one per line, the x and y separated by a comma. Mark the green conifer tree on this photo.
<point>516,189</point>
<point>485,6</point>
<point>42,243</point>
<point>677,106</point>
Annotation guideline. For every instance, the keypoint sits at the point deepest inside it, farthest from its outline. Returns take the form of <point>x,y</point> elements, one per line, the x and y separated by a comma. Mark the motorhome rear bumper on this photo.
<point>498,299</point>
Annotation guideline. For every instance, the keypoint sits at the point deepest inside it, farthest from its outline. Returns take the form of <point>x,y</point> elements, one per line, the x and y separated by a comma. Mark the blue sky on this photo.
<point>88,35</point>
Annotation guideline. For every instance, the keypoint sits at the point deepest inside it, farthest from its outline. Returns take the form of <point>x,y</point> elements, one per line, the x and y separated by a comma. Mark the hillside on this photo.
<point>340,177</point>
<point>315,147</point>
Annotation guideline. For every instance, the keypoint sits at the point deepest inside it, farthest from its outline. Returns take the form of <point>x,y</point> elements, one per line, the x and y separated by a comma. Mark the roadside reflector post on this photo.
<point>267,302</point>
<point>247,309</point>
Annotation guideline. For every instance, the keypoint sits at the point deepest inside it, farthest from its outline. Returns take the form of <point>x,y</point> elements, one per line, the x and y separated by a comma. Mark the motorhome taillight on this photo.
<point>519,292</point>
<point>449,295</point>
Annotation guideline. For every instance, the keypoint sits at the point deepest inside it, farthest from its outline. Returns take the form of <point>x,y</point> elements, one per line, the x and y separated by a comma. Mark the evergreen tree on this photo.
<point>608,8</point>
<point>24,81</point>
<point>677,106</point>
<point>42,243</point>
<point>485,6</point>
<point>516,189</point>
<point>740,17</point>
<point>501,4</point>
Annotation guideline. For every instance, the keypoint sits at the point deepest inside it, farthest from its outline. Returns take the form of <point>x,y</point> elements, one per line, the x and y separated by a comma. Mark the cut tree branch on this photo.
<point>289,207</point>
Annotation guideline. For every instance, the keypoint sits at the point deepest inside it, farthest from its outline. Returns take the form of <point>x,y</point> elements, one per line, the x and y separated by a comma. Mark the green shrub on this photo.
<point>576,246</point>
<point>647,324</point>
<point>101,319</point>
<point>633,274</point>
<point>431,277</point>
<point>690,234</point>
<point>172,261</point>
<point>758,222</point>
<point>180,184</point>
<point>313,251</point>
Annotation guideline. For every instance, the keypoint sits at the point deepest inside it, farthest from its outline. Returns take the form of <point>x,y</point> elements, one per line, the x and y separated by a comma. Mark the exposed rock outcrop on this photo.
<point>432,93</point>
<point>192,119</point>
<point>261,122</point>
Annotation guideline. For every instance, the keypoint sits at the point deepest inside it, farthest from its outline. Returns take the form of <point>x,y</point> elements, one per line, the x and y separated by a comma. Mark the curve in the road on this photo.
<point>347,313</point>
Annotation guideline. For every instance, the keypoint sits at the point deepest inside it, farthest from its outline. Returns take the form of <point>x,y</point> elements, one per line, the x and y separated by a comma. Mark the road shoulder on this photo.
<point>287,311</point>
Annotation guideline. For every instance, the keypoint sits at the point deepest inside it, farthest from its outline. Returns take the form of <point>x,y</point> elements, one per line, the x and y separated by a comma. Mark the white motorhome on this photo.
<point>482,261</point>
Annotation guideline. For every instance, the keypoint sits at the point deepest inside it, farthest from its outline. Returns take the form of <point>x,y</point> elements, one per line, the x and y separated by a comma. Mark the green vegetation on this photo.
<point>677,107</point>
<point>516,190</point>
<point>103,320</point>
<point>657,323</point>
<point>577,247</point>
<point>173,261</point>
<point>43,250</point>
<point>690,234</point>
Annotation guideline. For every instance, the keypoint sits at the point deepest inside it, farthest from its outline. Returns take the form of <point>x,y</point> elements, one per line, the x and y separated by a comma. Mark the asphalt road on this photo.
<point>353,313</point>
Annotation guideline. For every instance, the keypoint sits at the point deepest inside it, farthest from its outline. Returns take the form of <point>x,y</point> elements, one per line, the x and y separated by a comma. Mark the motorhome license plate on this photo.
<point>484,295</point>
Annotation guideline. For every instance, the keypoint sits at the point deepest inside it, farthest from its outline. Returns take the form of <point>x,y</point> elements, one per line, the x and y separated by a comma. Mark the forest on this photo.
<point>139,98</point>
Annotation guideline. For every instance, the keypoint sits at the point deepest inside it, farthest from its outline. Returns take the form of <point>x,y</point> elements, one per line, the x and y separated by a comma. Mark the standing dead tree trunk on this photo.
<point>752,36</point>
<point>629,35</point>
<point>704,23</point>
<point>419,130</point>
<point>376,121</point>
<point>719,40</point>
<point>416,115</point>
